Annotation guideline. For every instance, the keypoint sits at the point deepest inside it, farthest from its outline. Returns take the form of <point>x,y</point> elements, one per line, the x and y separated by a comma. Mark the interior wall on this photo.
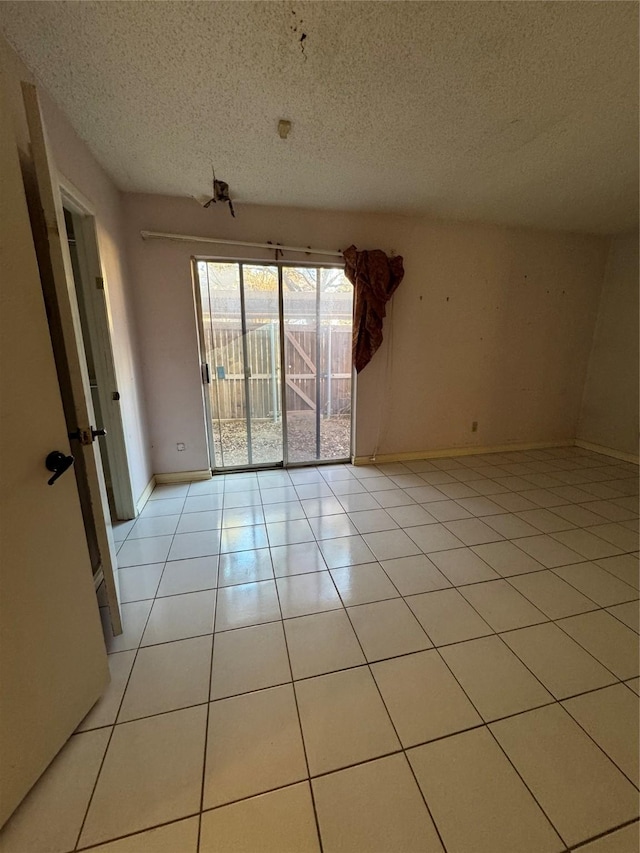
<point>491,324</point>
<point>609,415</point>
<point>77,164</point>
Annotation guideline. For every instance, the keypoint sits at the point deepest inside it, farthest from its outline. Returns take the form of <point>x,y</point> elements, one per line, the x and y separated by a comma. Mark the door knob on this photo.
<point>58,463</point>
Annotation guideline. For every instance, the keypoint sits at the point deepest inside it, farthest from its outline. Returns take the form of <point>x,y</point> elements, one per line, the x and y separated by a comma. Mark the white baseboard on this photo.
<point>607,451</point>
<point>183,476</point>
<point>144,497</point>
<point>381,458</point>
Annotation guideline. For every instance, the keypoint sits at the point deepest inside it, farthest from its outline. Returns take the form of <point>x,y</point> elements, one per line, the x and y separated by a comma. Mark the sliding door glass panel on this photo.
<point>317,319</point>
<point>223,331</point>
<point>262,323</point>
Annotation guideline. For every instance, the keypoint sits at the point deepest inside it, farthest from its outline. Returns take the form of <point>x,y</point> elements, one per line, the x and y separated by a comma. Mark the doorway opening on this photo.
<point>94,325</point>
<point>275,343</point>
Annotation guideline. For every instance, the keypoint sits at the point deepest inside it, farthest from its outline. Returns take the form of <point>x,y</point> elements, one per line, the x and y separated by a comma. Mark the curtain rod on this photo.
<point>185,238</point>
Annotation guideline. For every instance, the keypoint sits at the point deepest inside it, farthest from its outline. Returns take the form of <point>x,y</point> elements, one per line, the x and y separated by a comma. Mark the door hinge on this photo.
<point>99,282</point>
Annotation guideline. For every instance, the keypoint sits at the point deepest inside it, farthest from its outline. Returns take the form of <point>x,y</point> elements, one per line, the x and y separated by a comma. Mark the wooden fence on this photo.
<point>304,350</point>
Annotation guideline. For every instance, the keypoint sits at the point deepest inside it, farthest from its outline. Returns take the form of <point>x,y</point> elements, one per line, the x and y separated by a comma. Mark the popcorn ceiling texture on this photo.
<point>518,113</point>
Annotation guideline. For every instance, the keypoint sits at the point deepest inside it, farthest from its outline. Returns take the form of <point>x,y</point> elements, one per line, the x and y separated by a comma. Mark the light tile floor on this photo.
<point>440,655</point>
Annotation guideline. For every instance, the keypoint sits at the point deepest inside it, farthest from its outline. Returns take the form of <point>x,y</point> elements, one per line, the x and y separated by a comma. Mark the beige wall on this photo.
<point>609,415</point>
<point>74,160</point>
<point>490,324</point>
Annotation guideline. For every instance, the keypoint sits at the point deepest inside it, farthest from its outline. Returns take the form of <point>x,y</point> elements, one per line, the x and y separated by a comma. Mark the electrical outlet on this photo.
<point>474,426</point>
<point>181,446</point>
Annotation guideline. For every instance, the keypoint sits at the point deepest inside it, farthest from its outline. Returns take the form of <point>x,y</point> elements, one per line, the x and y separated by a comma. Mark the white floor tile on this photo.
<point>137,552</point>
<point>245,538</point>
<point>169,490</point>
<point>244,567</point>
<point>510,526</point>
<point>447,617</point>
<point>134,619</point>
<point>179,617</point>
<point>583,542</point>
<point>205,543</point>
<point>481,506</point>
<point>105,711</point>
<point>501,606</point>
<point>462,565</point>
<point>497,682</point>
<point>289,532</point>
<point>345,551</point>
<point>168,677</point>
<point>578,787</point>
<point>359,500</point>
<point>551,594</point>
<point>625,840</point>
<point>289,511</point>
<point>203,503</point>
<point>50,818</point>
<point>181,835</point>
<point>628,613</point>
<point>433,537</point>
<point>471,815</point>
<point>194,522</point>
<point>545,520</point>
<point>247,604</point>
<point>322,642</point>
<point>374,807</point>
<point>597,584</point>
<point>507,559</point>
<point>612,643</point>
<point>610,716</point>
<point>390,544</point>
<point>194,575</point>
<point>160,525</point>
<point>344,721</point>
<point>412,575</point>
<point>424,700</point>
<point>249,659</point>
<point>362,584</point>
<point>138,583</point>
<point>472,531</point>
<point>279,822</point>
<point>548,551</point>
<point>624,567</point>
<point>624,537</point>
<point>301,595</point>
<point>246,516</point>
<point>447,510</point>
<point>152,774</point>
<point>562,665</point>
<point>372,521</point>
<point>297,559</point>
<point>316,507</point>
<point>254,745</point>
<point>387,629</point>
<point>332,526</point>
<point>153,509</point>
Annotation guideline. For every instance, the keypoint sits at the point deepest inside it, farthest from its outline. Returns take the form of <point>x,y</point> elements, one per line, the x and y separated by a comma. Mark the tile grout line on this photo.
<point>302,738</point>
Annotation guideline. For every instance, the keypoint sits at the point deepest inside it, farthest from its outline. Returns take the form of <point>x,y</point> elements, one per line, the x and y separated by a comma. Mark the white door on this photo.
<point>60,296</point>
<point>53,664</point>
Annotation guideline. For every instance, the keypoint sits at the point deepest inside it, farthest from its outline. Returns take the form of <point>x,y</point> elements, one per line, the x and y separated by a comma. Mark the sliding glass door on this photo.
<point>276,362</point>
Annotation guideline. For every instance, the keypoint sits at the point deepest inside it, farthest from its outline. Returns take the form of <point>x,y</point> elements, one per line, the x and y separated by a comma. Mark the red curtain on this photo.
<point>375,278</point>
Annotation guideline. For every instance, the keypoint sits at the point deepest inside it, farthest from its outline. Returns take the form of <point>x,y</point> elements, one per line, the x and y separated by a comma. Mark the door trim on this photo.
<point>98,314</point>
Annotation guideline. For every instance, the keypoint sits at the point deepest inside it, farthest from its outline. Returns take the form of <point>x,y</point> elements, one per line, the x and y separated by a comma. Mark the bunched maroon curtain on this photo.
<point>375,278</point>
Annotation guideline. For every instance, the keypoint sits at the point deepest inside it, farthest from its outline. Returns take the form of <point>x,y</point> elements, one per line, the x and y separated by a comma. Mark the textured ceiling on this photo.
<point>520,113</point>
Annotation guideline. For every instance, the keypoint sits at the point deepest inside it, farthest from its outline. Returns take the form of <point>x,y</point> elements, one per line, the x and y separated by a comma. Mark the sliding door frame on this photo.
<point>205,368</point>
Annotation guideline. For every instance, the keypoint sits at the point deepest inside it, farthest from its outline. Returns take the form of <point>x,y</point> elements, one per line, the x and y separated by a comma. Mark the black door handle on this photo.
<point>58,463</point>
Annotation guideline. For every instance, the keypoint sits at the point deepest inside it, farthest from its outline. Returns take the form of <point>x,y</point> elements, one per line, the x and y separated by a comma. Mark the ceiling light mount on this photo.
<point>284,128</point>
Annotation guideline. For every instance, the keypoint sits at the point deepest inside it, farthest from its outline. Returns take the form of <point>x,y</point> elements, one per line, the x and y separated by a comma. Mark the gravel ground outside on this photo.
<point>266,438</point>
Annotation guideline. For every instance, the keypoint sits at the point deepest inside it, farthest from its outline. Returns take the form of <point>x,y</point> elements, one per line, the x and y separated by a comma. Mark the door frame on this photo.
<point>206,372</point>
<point>98,314</point>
